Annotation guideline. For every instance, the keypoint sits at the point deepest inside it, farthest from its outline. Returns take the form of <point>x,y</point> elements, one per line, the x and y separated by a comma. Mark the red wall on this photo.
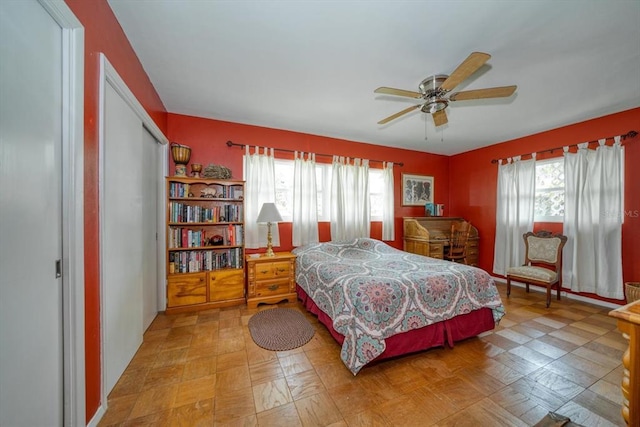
<point>207,139</point>
<point>473,181</point>
<point>465,183</point>
<point>102,34</point>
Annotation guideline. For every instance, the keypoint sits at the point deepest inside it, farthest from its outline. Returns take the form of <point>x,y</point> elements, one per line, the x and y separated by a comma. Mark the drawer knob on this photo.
<point>264,271</point>
<point>273,287</point>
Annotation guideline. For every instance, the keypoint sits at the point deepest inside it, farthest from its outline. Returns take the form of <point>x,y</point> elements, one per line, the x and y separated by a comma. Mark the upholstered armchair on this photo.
<point>542,262</point>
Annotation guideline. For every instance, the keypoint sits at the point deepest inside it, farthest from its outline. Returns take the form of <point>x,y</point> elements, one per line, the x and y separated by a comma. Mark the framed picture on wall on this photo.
<point>417,190</point>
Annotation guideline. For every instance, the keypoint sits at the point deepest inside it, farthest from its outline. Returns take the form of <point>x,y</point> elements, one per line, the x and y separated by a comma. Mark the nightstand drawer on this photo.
<point>272,270</point>
<point>268,288</point>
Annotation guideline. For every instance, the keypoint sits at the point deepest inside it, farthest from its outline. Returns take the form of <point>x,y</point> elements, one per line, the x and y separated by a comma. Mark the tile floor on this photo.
<point>203,369</point>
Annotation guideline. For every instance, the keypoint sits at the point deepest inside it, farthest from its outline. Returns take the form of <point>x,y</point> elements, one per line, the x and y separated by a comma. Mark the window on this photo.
<point>376,193</point>
<point>549,203</point>
<point>284,190</point>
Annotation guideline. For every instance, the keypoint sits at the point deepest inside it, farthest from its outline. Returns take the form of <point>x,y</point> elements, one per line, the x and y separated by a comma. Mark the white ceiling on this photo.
<point>312,66</point>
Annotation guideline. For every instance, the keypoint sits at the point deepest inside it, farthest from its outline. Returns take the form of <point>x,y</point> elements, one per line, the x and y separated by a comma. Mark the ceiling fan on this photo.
<point>434,90</point>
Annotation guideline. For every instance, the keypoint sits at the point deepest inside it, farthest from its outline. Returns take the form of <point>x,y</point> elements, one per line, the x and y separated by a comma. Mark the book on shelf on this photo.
<point>429,209</point>
<point>178,189</point>
<point>206,260</point>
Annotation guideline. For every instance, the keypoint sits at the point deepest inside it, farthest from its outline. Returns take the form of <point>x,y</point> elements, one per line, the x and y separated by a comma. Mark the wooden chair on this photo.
<point>542,262</point>
<point>458,242</point>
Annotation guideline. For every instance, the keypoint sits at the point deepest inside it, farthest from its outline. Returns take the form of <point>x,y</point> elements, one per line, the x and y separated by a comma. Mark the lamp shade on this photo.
<point>269,213</point>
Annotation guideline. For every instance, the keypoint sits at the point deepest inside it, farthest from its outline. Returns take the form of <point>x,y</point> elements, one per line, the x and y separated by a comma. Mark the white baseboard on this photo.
<point>564,294</point>
<point>97,417</point>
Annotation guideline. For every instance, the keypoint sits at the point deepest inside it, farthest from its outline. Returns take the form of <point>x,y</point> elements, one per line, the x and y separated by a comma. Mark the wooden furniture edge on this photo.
<point>628,322</point>
<point>204,306</point>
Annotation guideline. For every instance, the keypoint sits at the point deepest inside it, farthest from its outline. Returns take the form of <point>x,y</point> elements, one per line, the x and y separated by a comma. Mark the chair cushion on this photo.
<point>535,273</point>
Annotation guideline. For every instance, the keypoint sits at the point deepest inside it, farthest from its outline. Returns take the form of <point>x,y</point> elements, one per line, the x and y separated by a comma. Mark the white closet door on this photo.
<point>151,181</point>
<point>122,246</point>
<point>31,352</point>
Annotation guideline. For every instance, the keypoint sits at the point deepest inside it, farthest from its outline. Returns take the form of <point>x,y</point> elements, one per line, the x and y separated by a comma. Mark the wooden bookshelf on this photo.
<point>205,243</point>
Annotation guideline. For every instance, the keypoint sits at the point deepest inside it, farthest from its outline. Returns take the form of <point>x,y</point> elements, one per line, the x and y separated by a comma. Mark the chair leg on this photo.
<point>508,286</point>
<point>548,295</point>
<point>527,286</point>
<point>559,288</point>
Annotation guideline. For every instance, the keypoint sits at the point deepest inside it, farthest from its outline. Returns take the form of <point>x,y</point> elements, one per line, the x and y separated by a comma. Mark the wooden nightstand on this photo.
<point>271,279</point>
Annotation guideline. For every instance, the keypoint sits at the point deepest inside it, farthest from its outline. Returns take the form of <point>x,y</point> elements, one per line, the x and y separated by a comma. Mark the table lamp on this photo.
<point>269,214</point>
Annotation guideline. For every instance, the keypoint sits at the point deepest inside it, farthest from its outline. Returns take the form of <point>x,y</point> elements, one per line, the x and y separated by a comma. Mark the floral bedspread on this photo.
<point>373,291</point>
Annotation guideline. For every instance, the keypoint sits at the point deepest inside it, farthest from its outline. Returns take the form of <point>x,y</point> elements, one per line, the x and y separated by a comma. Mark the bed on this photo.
<point>379,302</point>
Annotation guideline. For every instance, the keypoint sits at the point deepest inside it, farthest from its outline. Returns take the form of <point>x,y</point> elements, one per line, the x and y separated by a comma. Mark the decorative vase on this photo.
<point>196,168</point>
<point>181,155</point>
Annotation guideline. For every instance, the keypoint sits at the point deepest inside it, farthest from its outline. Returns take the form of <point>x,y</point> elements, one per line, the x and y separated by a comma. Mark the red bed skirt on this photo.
<point>449,331</point>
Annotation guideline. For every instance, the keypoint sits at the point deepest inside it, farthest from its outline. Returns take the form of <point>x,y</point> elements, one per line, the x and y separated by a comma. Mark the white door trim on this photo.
<point>72,210</point>
<point>108,75</point>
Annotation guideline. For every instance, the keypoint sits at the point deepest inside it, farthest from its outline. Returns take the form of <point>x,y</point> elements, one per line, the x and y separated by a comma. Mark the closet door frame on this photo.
<point>109,76</point>
<point>72,211</point>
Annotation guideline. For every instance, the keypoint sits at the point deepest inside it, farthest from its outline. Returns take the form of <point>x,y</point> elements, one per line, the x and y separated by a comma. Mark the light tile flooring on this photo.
<point>203,369</point>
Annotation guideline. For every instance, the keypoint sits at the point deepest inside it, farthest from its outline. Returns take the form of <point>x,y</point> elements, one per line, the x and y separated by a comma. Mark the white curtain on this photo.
<point>305,200</point>
<point>594,210</point>
<point>514,212</point>
<point>350,216</point>
<point>388,220</point>
<point>259,176</point>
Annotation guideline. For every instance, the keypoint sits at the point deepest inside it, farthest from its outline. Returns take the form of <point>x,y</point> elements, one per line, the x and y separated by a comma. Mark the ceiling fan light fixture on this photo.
<point>434,105</point>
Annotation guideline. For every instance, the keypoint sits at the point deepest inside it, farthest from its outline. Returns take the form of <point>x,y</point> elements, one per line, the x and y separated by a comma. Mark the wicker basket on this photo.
<point>632,290</point>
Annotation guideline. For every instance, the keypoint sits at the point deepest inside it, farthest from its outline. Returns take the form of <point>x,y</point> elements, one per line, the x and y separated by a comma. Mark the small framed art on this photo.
<point>417,190</point>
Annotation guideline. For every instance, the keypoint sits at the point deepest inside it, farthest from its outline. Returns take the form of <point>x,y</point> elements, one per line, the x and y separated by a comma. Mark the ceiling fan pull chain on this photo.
<point>425,130</point>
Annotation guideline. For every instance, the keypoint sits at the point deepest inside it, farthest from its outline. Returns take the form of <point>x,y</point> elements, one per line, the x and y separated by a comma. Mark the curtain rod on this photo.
<point>630,134</point>
<point>231,144</point>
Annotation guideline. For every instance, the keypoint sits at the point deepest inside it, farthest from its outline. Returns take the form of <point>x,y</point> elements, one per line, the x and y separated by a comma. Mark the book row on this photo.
<point>180,189</point>
<point>197,261</point>
<point>180,212</point>
<point>230,235</point>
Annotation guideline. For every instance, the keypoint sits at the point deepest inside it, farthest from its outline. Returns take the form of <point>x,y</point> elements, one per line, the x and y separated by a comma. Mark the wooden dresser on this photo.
<point>629,324</point>
<point>271,279</point>
<point>430,235</point>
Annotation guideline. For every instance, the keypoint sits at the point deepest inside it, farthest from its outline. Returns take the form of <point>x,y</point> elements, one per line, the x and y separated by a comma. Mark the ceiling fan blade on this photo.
<point>396,115</point>
<point>398,92</point>
<point>464,70</point>
<point>440,118</point>
<point>492,92</point>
